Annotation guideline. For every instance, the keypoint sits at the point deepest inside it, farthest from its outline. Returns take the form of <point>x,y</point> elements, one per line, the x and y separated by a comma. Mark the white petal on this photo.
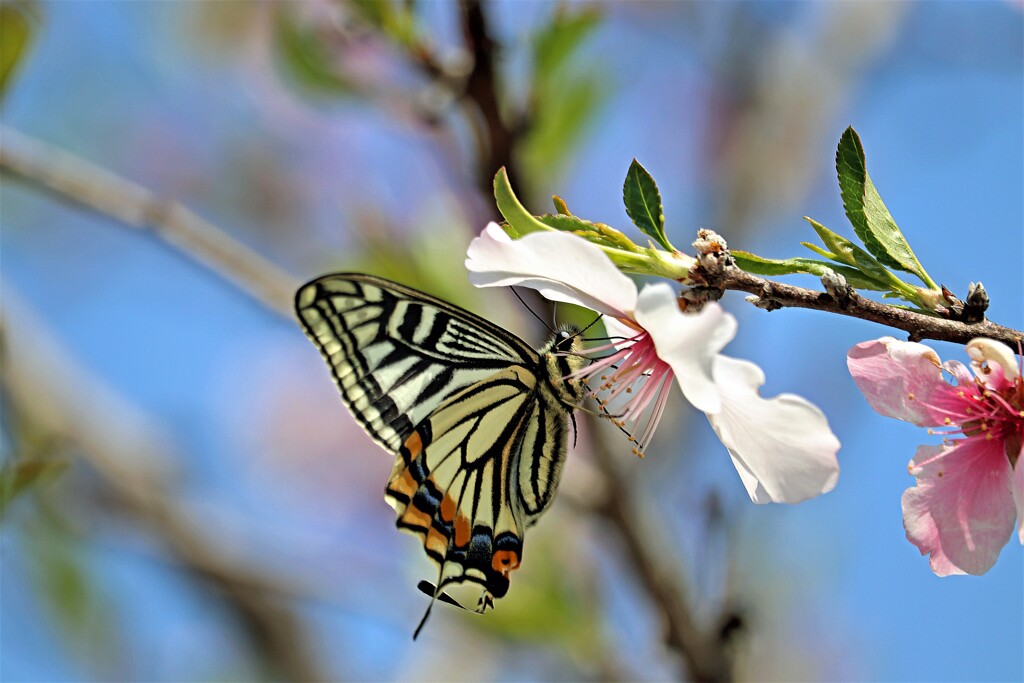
<point>688,342</point>
<point>982,350</point>
<point>616,328</point>
<point>562,267</point>
<point>782,447</point>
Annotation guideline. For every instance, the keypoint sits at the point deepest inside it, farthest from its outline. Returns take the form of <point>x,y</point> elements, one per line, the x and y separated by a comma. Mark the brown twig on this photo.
<point>496,141</point>
<point>772,295</point>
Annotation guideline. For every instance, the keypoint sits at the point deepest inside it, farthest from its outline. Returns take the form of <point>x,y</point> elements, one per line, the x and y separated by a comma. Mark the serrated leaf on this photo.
<point>15,32</point>
<point>871,220</point>
<point>18,477</point>
<point>643,204</point>
<point>765,266</point>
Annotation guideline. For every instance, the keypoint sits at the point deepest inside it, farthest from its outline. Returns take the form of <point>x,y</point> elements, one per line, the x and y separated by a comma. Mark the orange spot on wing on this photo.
<point>447,508</point>
<point>404,483</point>
<point>413,516</point>
<point>461,531</point>
<point>436,542</point>
<point>414,444</point>
<point>505,561</point>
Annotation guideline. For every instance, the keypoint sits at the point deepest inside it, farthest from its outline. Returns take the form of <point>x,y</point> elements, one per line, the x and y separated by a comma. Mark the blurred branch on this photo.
<point>128,452</point>
<point>74,179</point>
<point>705,652</point>
<point>705,655</point>
<point>496,140</point>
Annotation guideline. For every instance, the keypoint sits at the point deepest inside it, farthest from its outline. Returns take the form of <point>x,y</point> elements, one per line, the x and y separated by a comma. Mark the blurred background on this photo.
<point>196,504</point>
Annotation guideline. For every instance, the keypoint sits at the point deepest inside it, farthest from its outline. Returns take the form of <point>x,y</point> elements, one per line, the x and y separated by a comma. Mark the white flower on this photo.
<point>782,447</point>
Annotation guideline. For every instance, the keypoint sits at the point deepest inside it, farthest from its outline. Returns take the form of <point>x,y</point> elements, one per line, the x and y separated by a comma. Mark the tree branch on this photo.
<point>73,179</point>
<point>772,295</point>
<point>496,140</point>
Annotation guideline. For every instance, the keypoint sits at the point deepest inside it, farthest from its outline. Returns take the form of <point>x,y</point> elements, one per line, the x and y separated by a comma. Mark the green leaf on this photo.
<point>556,42</point>
<point>519,219</point>
<point>643,204</point>
<point>305,57</point>
<point>819,251</point>
<point>558,122</point>
<point>565,93</point>
<point>765,266</point>
<point>560,205</point>
<point>394,20</point>
<point>598,233</point>
<point>15,32</point>
<point>871,220</point>
<point>845,251</point>
<point>18,477</point>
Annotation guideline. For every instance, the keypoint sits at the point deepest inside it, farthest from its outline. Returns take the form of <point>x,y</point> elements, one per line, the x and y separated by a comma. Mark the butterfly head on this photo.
<point>563,357</point>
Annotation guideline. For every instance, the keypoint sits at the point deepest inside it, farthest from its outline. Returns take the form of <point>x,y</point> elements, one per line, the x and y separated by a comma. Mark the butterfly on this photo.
<point>477,419</point>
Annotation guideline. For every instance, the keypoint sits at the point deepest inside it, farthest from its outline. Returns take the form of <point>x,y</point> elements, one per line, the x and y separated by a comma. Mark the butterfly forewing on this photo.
<point>477,419</point>
<point>396,353</point>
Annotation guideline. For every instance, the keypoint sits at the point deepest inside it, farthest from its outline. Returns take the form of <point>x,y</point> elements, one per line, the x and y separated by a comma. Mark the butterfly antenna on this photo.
<point>594,322</point>
<point>532,312</point>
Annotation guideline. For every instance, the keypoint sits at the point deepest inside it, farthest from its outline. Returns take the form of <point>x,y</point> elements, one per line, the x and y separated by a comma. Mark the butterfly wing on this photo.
<point>473,476</point>
<point>396,354</point>
<point>466,406</point>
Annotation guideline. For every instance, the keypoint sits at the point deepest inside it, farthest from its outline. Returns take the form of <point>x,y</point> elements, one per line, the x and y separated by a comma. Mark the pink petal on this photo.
<point>782,447</point>
<point>561,266</point>
<point>1018,494</point>
<point>961,512</point>
<point>688,342</point>
<point>900,379</point>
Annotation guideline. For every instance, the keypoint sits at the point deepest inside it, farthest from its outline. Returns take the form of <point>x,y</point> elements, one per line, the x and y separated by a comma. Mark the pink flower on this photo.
<point>782,447</point>
<point>971,488</point>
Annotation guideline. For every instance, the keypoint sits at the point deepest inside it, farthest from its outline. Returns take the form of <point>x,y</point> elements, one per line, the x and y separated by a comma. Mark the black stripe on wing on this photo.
<point>453,480</point>
<point>396,353</point>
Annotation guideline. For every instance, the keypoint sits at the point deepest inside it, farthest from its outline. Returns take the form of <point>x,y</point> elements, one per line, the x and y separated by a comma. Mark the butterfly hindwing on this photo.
<point>457,479</point>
